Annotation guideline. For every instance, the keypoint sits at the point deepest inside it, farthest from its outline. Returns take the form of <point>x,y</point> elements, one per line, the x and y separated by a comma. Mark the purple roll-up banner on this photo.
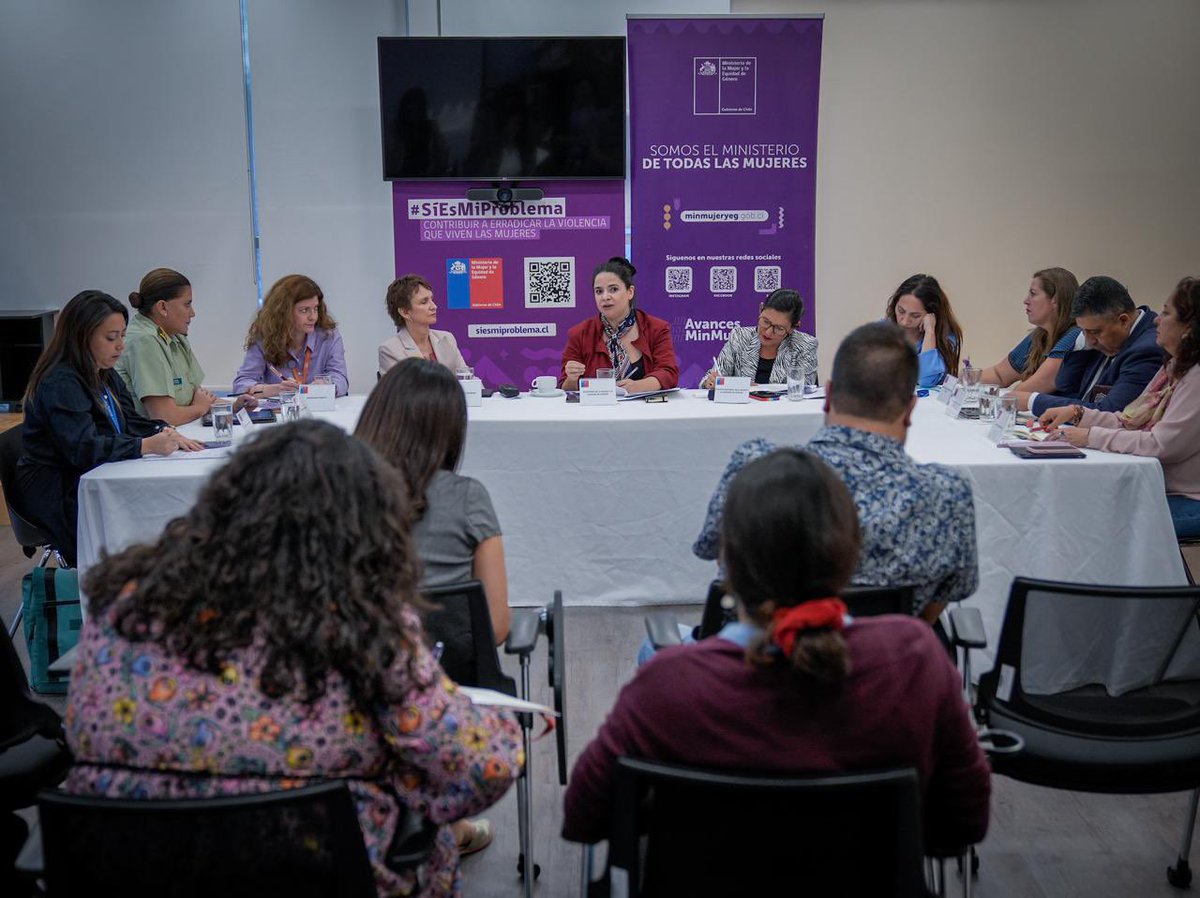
<point>723,153</point>
<point>509,280</point>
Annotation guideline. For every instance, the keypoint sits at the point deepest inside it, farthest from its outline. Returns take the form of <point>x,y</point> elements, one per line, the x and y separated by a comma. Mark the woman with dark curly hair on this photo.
<point>206,671</point>
<point>292,340</point>
<point>921,307</point>
<point>1164,422</point>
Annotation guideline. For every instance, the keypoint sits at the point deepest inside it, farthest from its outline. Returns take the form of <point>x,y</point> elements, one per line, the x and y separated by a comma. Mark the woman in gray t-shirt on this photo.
<point>416,417</point>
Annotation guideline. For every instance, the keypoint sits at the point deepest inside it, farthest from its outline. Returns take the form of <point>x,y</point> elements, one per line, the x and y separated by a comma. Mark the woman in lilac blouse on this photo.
<point>204,670</point>
<point>292,340</point>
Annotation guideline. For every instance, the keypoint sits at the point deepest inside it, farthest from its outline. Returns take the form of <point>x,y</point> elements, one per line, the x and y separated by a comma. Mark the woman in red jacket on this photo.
<point>622,337</point>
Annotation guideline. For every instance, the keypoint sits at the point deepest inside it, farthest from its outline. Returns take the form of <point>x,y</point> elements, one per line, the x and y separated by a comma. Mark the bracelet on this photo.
<point>1078,416</point>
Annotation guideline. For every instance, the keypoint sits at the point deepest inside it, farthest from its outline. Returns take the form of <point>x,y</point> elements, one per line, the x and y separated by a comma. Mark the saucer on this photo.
<point>550,395</point>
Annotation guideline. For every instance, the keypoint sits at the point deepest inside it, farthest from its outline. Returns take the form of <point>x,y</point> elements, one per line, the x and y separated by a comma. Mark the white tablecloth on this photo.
<point>604,502</point>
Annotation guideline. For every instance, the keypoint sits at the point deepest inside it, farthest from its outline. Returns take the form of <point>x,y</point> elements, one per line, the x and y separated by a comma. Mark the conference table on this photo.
<point>604,502</point>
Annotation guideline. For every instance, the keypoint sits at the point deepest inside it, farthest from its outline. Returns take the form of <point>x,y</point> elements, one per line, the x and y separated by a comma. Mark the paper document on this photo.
<point>493,699</point>
<point>180,455</point>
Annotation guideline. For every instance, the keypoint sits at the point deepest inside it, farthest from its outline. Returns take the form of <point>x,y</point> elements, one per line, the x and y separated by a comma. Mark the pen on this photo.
<point>275,371</point>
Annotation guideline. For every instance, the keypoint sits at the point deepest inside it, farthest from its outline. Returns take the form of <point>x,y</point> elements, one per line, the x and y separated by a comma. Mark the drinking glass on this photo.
<point>289,406</point>
<point>795,387</point>
<point>606,373</point>
<point>1008,411</point>
<point>222,419</point>
<point>989,402</point>
<point>970,379</point>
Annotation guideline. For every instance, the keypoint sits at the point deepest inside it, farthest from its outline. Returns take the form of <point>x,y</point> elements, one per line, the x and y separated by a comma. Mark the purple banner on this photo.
<point>723,153</point>
<point>509,280</point>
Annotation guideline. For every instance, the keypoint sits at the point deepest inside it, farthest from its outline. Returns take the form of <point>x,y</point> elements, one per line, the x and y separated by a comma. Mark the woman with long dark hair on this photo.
<point>636,345</point>
<point>922,309</point>
<point>204,670</point>
<point>1036,359</point>
<point>795,685</point>
<point>1163,422</point>
<point>416,418</point>
<point>78,415</point>
<point>292,340</point>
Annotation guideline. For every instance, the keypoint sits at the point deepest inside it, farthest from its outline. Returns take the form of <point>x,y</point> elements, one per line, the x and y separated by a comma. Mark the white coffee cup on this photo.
<point>547,383</point>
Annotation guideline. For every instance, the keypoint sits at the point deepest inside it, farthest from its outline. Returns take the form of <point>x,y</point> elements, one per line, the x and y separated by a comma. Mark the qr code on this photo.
<point>550,282</point>
<point>767,278</point>
<point>722,279</point>
<point>679,279</point>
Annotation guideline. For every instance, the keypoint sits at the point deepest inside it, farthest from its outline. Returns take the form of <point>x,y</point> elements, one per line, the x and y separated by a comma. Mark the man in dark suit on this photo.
<point>1121,355</point>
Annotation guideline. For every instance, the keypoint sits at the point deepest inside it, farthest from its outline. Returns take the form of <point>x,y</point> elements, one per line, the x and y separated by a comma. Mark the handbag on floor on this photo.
<point>53,619</point>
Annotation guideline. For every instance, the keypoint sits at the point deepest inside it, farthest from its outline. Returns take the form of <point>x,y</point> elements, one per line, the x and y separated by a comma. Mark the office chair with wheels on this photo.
<point>28,535</point>
<point>1096,713</point>
<point>709,833</point>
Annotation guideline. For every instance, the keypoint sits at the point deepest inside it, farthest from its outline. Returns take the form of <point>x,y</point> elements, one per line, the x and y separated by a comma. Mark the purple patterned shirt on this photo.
<point>143,724</point>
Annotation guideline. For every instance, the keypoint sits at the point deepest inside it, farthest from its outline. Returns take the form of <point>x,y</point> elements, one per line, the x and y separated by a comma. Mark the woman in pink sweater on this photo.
<point>1164,422</point>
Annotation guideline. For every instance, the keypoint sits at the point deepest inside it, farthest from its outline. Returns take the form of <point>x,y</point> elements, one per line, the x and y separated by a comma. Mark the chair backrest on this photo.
<point>298,842</point>
<point>872,601</point>
<point>1098,660</point>
<point>862,601</point>
<point>461,621</point>
<point>25,531</point>
<point>718,833</point>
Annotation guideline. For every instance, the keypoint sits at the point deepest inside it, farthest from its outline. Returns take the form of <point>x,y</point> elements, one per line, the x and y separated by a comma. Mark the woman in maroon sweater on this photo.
<point>796,685</point>
<point>636,345</point>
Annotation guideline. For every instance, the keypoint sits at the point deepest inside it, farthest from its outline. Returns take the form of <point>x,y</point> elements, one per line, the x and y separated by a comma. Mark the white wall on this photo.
<point>977,139</point>
<point>123,150</point>
<point>980,141</point>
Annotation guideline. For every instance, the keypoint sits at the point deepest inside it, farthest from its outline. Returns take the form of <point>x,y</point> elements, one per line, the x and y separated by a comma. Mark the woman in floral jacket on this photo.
<point>270,639</point>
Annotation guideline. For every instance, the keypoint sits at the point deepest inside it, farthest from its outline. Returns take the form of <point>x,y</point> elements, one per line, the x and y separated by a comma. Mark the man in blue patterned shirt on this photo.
<point>917,521</point>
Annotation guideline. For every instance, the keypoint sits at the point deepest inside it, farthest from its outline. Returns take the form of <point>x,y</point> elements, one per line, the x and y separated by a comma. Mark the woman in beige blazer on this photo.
<point>410,303</point>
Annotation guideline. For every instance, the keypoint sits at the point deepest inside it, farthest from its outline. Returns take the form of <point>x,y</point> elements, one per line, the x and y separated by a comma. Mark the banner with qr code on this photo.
<point>723,152</point>
<point>509,279</point>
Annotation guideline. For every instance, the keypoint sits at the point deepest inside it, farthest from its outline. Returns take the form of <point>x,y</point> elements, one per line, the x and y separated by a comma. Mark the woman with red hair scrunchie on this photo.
<point>796,685</point>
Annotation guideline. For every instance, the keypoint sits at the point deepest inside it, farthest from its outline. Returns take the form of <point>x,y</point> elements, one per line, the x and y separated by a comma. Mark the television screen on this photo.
<point>502,108</point>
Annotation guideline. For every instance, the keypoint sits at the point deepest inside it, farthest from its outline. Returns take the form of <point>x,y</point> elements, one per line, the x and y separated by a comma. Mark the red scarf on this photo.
<point>788,623</point>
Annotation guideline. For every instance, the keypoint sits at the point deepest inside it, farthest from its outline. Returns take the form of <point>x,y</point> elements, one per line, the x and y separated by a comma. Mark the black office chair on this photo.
<point>1081,737</point>
<point>1186,542</point>
<point>28,535</point>
<point>32,756</point>
<point>297,842</point>
<point>720,609</point>
<point>462,623</point>
<point>711,832</point>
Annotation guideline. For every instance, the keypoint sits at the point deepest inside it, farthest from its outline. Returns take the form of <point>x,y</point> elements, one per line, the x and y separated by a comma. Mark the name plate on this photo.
<point>731,389</point>
<point>243,417</point>
<point>598,391</point>
<point>473,389</point>
<point>949,385</point>
<point>318,397</point>
<point>954,404</point>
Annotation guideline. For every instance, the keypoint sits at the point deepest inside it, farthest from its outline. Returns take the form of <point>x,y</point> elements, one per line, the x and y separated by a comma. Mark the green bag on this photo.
<point>53,619</point>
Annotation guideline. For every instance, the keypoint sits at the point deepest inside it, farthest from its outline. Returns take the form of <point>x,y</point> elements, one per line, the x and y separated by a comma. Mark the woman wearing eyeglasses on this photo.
<point>773,351</point>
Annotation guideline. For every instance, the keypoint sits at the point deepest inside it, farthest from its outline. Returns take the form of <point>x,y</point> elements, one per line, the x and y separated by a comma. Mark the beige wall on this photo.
<point>980,140</point>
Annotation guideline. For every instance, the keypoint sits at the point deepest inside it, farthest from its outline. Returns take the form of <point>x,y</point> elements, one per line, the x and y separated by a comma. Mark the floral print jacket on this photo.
<point>144,724</point>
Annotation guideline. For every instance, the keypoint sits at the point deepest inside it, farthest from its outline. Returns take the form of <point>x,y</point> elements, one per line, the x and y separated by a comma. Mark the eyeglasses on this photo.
<point>776,329</point>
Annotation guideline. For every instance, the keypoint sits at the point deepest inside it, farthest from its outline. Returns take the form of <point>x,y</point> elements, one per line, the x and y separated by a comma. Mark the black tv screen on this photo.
<point>502,108</point>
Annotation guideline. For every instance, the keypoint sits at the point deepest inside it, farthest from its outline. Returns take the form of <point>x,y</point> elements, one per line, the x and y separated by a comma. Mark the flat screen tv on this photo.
<point>502,108</point>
